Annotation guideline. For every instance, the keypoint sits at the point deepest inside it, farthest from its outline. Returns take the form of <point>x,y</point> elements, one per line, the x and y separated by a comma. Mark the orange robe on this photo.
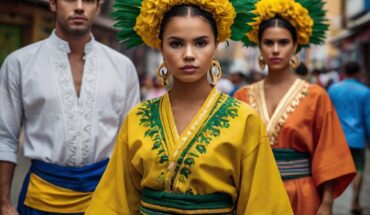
<point>306,121</point>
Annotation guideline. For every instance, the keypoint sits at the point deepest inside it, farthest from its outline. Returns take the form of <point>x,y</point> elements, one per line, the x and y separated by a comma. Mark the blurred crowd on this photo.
<point>237,76</point>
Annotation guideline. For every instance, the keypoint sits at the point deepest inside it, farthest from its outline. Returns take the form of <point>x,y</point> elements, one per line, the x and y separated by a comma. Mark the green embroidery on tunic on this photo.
<point>150,118</point>
<point>219,119</point>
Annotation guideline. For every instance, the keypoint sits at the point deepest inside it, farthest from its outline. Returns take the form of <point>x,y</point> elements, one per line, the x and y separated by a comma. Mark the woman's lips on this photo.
<point>276,60</point>
<point>189,69</point>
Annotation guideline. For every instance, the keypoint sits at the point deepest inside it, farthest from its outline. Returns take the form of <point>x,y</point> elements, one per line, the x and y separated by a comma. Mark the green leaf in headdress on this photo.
<point>125,14</point>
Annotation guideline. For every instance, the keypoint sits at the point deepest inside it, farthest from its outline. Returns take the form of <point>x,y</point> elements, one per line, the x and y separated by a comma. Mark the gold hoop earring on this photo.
<point>261,63</point>
<point>214,73</point>
<point>294,62</point>
<point>163,73</point>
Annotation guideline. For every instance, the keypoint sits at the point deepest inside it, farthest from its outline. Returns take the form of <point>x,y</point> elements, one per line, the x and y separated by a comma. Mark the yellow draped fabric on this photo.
<point>44,196</point>
<point>224,149</point>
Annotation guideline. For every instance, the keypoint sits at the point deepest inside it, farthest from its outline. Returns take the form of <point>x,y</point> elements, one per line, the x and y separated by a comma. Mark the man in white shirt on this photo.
<point>70,93</point>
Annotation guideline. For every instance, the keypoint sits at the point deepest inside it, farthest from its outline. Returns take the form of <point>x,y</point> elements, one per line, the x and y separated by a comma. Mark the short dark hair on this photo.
<point>351,68</point>
<point>279,22</point>
<point>183,10</point>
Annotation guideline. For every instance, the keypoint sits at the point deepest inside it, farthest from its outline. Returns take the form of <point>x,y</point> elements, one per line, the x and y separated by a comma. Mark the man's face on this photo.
<point>74,17</point>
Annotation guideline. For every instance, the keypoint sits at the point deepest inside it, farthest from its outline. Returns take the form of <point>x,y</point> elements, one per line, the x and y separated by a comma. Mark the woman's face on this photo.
<point>277,47</point>
<point>188,47</point>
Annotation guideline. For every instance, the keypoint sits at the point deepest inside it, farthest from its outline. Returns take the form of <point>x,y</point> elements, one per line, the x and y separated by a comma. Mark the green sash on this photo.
<point>292,164</point>
<point>155,202</point>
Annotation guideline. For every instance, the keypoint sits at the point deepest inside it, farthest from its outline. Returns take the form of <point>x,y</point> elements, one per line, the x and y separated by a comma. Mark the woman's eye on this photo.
<point>201,43</point>
<point>284,42</point>
<point>175,44</point>
<point>268,43</point>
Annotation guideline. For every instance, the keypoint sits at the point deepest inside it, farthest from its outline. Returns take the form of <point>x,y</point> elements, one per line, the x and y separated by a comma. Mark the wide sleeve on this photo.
<point>11,109</point>
<point>118,191</point>
<point>331,159</point>
<point>261,188</point>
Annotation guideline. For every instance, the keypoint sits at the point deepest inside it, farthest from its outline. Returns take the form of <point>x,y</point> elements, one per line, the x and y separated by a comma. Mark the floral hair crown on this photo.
<point>139,21</point>
<point>306,16</point>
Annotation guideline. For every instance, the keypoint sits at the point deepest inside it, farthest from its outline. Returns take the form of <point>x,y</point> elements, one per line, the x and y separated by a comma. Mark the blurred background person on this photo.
<point>327,77</point>
<point>332,77</point>
<point>225,85</point>
<point>155,88</point>
<point>302,72</point>
<point>146,83</point>
<point>237,75</point>
<point>255,76</point>
<point>351,99</point>
<point>315,77</point>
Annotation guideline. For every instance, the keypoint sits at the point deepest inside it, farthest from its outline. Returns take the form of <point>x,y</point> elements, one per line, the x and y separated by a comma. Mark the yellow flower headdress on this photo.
<point>139,20</point>
<point>306,16</point>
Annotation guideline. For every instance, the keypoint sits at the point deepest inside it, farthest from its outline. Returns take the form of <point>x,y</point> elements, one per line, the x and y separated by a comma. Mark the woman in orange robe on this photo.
<point>302,126</point>
<point>305,121</point>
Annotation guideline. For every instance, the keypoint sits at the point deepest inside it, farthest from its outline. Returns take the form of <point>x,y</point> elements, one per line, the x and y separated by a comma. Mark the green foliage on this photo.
<point>125,13</point>
<point>317,14</point>
<point>244,15</point>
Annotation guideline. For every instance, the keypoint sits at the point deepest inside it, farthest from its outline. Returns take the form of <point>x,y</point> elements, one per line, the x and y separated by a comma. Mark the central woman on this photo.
<point>194,150</point>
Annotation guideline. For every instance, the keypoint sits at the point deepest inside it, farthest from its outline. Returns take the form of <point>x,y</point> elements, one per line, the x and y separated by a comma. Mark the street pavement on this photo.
<point>341,205</point>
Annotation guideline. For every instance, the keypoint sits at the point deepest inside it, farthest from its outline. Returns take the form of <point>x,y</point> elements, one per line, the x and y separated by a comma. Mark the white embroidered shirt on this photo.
<point>38,93</point>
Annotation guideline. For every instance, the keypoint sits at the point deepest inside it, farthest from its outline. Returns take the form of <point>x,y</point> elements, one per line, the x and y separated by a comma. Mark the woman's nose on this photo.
<point>275,49</point>
<point>189,53</point>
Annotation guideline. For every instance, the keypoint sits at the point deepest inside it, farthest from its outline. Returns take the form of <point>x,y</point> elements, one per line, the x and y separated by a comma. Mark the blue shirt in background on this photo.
<point>351,99</point>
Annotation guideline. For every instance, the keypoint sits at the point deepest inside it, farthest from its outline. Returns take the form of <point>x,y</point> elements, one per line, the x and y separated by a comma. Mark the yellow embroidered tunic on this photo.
<point>223,150</point>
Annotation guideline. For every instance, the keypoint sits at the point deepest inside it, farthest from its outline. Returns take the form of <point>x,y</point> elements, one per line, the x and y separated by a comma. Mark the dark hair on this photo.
<point>316,71</point>
<point>301,69</point>
<point>277,21</point>
<point>351,68</point>
<point>97,1</point>
<point>183,10</point>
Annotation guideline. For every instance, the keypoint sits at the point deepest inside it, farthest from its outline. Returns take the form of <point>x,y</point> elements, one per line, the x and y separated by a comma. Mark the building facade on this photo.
<point>354,39</point>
